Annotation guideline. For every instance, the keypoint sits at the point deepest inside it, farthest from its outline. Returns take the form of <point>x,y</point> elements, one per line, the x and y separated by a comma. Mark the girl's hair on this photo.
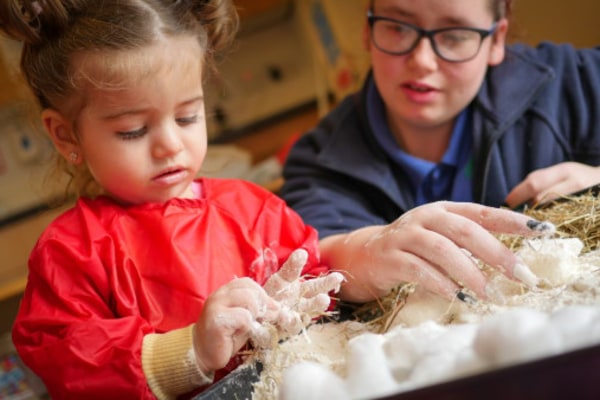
<point>54,32</point>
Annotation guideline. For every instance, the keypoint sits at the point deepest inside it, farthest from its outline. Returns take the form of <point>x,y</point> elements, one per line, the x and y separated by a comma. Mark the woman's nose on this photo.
<point>167,142</point>
<point>423,56</point>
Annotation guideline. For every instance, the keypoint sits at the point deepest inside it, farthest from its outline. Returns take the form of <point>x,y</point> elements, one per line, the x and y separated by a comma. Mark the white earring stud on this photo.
<point>73,156</point>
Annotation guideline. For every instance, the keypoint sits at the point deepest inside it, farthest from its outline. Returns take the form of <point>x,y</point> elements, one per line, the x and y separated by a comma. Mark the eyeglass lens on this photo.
<point>452,44</point>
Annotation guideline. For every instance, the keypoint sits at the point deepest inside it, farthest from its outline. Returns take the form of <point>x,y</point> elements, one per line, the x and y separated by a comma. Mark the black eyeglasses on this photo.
<point>451,44</point>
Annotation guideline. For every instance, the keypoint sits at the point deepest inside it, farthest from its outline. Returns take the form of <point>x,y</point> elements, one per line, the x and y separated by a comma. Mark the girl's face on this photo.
<point>146,140</point>
<point>421,90</point>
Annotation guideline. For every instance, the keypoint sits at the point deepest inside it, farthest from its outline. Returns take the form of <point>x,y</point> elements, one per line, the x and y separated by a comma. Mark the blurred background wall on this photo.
<point>575,21</point>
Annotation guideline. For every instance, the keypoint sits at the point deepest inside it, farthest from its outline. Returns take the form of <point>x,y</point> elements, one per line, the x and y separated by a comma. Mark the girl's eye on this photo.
<point>187,120</point>
<point>132,134</point>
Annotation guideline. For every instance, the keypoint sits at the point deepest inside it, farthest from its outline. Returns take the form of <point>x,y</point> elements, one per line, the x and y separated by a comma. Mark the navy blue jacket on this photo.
<point>540,107</point>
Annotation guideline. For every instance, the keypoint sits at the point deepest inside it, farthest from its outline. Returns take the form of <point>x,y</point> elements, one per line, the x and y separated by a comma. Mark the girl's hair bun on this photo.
<point>30,21</point>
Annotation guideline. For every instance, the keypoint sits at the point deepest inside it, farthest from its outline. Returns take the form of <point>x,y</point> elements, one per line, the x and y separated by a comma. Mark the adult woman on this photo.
<point>449,112</point>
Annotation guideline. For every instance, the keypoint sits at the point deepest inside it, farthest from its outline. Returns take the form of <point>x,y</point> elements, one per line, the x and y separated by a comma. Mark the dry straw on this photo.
<point>575,216</point>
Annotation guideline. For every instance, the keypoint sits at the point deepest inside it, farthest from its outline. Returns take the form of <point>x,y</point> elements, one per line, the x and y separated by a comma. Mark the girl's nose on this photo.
<point>167,142</point>
<point>423,56</point>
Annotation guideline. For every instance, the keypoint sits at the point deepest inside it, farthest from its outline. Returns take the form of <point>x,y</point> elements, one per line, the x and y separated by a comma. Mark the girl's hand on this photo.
<point>301,299</point>
<point>229,317</point>
<point>549,183</point>
<point>242,310</point>
<point>432,245</point>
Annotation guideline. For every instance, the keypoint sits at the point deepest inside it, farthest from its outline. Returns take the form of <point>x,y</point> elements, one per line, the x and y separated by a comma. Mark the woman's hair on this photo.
<point>500,8</point>
<point>55,32</point>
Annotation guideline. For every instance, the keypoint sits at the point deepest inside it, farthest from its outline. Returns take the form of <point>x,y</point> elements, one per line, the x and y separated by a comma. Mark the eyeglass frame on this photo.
<point>429,34</point>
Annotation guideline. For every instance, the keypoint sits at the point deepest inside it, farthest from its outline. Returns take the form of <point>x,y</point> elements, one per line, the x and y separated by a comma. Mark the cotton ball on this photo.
<point>553,260</point>
<point>437,367</point>
<point>423,305</point>
<point>430,352</point>
<point>578,325</point>
<point>500,287</point>
<point>449,355</point>
<point>592,335</point>
<point>310,380</point>
<point>516,335</point>
<point>468,362</point>
<point>405,346</point>
<point>368,372</point>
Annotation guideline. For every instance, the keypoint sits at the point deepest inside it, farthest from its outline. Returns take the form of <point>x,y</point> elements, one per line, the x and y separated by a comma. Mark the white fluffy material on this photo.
<point>552,260</point>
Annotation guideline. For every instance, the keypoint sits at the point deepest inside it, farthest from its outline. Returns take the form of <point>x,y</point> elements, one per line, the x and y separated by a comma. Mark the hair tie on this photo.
<point>36,8</point>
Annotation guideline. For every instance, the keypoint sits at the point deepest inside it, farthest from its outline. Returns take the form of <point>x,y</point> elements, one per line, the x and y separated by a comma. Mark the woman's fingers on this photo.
<point>424,272</point>
<point>498,220</point>
<point>468,226</point>
<point>448,235</point>
<point>444,267</point>
<point>545,184</point>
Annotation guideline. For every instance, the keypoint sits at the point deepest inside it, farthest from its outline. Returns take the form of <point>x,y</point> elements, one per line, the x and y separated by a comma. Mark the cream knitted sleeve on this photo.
<point>169,363</point>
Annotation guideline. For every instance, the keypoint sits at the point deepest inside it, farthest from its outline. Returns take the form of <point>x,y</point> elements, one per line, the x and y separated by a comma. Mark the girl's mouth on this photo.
<point>167,173</point>
<point>171,176</point>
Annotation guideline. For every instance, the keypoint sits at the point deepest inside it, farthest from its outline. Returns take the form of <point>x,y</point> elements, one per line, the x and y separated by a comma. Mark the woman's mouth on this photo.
<point>418,88</point>
<point>419,93</point>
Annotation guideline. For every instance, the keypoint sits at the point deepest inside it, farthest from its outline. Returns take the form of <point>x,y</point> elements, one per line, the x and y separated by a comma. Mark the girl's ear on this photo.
<point>497,50</point>
<point>62,135</point>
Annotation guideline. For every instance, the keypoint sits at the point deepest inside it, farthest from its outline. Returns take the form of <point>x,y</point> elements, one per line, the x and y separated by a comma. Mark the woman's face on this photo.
<point>421,90</point>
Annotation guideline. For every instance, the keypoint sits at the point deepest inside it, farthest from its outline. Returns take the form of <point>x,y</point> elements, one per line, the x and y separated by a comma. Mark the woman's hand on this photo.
<point>549,183</point>
<point>432,245</point>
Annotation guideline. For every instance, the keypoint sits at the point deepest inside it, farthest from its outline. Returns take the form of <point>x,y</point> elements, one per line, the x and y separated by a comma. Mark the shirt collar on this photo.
<point>412,165</point>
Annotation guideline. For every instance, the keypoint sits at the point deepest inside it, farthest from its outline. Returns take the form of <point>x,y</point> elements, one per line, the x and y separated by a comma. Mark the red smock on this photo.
<point>103,275</point>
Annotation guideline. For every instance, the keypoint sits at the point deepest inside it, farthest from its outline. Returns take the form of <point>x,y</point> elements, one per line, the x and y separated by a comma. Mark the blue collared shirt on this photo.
<point>450,179</point>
